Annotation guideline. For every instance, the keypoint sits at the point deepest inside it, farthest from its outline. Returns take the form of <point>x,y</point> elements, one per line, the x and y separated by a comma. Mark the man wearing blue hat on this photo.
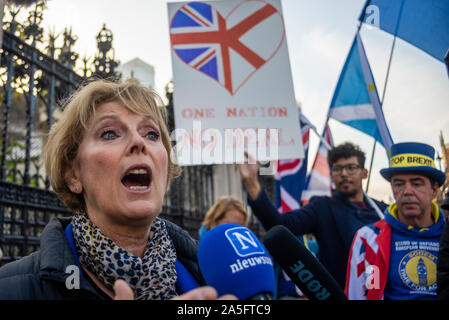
<point>396,257</point>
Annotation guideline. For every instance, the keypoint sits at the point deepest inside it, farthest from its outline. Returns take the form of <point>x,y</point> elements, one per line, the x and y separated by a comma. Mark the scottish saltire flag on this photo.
<point>422,23</point>
<point>355,101</point>
<point>319,181</point>
<point>213,44</point>
<point>290,176</point>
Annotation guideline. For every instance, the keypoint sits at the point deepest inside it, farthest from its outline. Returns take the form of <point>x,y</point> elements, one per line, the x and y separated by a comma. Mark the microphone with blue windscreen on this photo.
<point>234,261</point>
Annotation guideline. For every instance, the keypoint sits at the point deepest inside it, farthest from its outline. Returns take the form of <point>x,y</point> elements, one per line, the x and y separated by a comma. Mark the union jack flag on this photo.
<point>364,261</point>
<point>216,46</point>
<point>319,181</point>
<point>290,176</point>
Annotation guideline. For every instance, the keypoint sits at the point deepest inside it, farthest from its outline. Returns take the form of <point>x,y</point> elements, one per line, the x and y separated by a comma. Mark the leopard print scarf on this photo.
<point>152,277</point>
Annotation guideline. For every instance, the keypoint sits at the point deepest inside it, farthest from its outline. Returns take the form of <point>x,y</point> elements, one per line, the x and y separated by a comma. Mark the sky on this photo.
<point>319,34</point>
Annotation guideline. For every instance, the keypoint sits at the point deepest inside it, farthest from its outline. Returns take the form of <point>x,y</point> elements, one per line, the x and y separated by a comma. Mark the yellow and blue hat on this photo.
<point>413,157</point>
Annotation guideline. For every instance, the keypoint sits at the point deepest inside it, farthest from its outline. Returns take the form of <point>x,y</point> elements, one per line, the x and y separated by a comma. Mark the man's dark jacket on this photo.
<point>42,274</point>
<point>333,220</point>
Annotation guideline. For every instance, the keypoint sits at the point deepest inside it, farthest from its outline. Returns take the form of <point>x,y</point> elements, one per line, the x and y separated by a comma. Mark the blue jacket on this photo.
<point>333,220</point>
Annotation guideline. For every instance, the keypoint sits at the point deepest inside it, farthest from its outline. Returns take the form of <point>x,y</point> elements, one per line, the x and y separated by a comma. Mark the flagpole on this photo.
<point>374,145</point>
<point>322,140</point>
<point>385,88</point>
<point>381,104</point>
<point>383,95</point>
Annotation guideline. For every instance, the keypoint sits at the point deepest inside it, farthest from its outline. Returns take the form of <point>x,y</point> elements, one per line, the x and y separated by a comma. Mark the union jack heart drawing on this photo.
<point>229,49</point>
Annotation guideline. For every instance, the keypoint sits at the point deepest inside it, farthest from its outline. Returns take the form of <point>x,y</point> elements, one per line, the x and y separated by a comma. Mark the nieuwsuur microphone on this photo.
<point>234,261</point>
<point>301,266</point>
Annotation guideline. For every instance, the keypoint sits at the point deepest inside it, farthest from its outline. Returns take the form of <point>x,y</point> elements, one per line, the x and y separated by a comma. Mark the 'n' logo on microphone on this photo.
<point>244,242</point>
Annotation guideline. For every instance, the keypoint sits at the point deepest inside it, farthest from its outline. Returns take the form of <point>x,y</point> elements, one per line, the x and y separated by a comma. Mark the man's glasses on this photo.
<point>350,169</point>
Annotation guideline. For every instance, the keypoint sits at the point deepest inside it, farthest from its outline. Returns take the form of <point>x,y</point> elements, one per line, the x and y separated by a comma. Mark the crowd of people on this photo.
<point>107,158</point>
<point>394,256</point>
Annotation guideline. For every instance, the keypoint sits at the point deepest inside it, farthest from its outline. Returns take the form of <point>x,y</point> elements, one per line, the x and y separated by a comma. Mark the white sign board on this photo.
<point>233,89</point>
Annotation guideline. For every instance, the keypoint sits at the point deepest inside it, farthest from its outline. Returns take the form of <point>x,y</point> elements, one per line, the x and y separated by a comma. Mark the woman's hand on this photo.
<point>122,291</point>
